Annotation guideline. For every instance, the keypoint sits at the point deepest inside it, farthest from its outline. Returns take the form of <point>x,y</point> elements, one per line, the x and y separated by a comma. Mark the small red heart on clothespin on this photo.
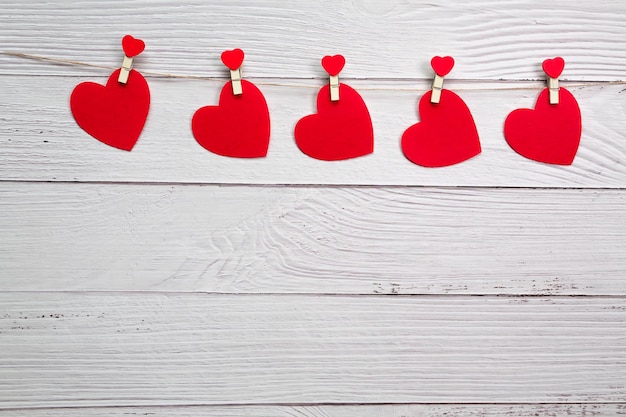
<point>333,64</point>
<point>442,65</point>
<point>132,46</point>
<point>553,67</point>
<point>233,59</point>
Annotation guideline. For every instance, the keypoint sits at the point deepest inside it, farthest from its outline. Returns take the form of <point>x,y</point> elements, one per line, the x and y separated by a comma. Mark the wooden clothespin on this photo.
<point>235,77</point>
<point>334,88</point>
<point>553,69</point>
<point>442,66</point>
<point>436,89</point>
<point>132,47</point>
<point>553,86</point>
<point>233,60</point>
<point>333,66</point>
<point>127,65</point>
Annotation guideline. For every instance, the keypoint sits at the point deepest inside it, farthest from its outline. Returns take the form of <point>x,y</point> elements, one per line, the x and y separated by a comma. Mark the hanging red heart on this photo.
<point>114,114</point>
<point>446,135</point>
<point>553,67</point>
<point>548,133</point>
<point>233,59</point>
<point>333,64</point>
<point>238,127</point>
<point>340,130</point>
<point>132,46</point>
<point>442,65</point>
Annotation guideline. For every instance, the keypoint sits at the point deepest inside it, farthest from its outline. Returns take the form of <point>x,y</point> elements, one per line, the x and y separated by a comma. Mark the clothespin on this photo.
<point>553,86</point>
<point>553,68</point>
<point>235,77</point>
<point>132,47</point>
<point>436,89</point>
<point>442,66</point>
<point>334,88</point>
<point>127,65</point>
<point>333,66</point>
<point>233,60</point>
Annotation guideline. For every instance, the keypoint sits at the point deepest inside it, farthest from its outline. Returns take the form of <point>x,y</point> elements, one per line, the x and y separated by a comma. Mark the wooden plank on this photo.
<point>41,141</point>
<point>74,237</point>
<point>430,410</point>
<point>490,39</point>
<point>69,349</point>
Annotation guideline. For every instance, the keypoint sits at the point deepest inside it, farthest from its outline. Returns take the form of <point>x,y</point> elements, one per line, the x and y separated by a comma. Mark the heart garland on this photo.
<point>239,126</point>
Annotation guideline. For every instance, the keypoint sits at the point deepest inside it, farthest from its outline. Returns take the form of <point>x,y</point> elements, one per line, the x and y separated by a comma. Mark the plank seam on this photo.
<point>313,295</point>
<point>304,186</point>
<point>318,404</point>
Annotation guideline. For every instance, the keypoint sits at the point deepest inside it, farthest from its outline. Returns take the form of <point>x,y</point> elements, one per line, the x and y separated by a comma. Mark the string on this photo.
<point>279,84</point>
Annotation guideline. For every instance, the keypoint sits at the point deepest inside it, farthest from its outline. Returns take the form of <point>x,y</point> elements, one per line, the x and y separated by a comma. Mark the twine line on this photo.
<point>278,84</point>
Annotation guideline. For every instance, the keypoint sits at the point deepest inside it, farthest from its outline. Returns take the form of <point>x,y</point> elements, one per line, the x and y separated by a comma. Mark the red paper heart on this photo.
<point>233,59</point>
<point>114,114</point>
<point>340,130</point>
<point>333,64</point>
<point>239,126</point>
<point>446,135</point>
<point>553,67</point>
<point>132,46</point>
<point>442,65</point>
<point>548,133</point>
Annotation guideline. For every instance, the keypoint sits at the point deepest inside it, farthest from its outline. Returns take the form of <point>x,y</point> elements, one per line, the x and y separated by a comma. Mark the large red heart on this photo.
<point>446,135</point>
<point>340,130</point>
<point>442,65</point>
<point>132,46</point>
<point>114,114</point>
<point>333,64</point>
<point>233,59</point>
<point>548,133</point>
<point>553,67</point>
<point>239,126</point>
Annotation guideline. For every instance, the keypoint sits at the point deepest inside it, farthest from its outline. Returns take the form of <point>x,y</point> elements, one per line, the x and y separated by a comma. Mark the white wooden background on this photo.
<point>169,281</point>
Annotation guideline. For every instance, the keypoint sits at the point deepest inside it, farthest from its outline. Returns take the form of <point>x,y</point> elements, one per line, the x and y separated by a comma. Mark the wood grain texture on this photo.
<point>41,141</point>
<point>59,237</point>
<point>392,39</point>
<point>102,304</point>
<point>412,410</point>
<point>67,350</point>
